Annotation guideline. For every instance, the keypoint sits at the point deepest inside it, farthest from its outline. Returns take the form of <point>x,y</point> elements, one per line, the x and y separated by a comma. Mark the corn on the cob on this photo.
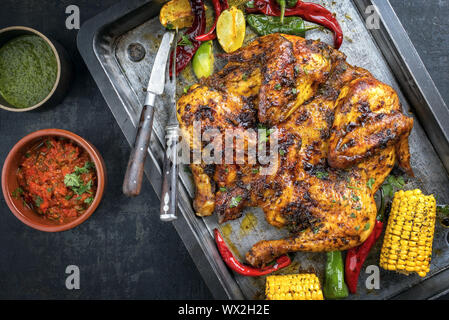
<point>407,245</point>
<point>293,287</point>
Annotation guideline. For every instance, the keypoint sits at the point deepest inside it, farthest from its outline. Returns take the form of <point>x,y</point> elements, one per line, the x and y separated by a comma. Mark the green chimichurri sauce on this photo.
<point>28,71</point>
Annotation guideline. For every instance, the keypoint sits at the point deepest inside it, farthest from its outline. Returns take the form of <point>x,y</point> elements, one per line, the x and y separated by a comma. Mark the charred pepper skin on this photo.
<point>185,53</point>
<point>244,270</point>
<point>264,25</point>
<point>308,11</point>
<point>355,257</point>
<point>219,7</point>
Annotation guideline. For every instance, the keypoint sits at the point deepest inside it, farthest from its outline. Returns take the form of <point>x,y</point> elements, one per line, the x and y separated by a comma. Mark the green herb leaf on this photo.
<point>185,41</point>
<point>282,152</point>
<point>223,189</point>
<point>16,193</point>
<point>322,175</point>
<point>89,200</point>
<point>370,183</point>
<point>353,215</point>
<point>69,196</point>
<point>38,201</point>
<point>72,180</point>
<point>235,201</point>
<point>250,4</point>
<point>367,225</point>
<point>277,86</point>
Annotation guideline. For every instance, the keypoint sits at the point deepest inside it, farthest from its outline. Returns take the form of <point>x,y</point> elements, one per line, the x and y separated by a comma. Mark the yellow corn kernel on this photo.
<point>293,287</point>
<point>407,245</point>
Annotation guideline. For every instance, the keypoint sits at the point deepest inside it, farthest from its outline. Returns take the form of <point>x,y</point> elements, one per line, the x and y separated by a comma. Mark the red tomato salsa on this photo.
<point>57,179</point>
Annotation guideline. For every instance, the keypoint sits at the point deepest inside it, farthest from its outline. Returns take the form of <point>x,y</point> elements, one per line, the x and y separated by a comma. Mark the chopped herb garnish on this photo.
<point>355,198</point>
<point>250,4</point>
<point>245,77</point>
<point>16,193</point>
<point>89,200</point>
<point>294,91</point>
<point>277,86</point>
<point>352,187</point>
<point>322,175</point>
<point>357,228</point>
<point>223,189</point>
<point>370,183</point>
<point>235,201</point>
<point>69,196</point>
<point>38,201</point>
<point>358,208</point>
<point>185,41</point>
<point>353,215</point>
<point>367,225</point>
<point>186,89</point>
<point>282,152</point>
<point>255,171</point>
<point>297,69</point>
<point>305,71</point>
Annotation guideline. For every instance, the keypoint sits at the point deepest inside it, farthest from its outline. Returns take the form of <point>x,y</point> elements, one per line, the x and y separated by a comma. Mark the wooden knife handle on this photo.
<point>134,173</point>
<point>169,194</point>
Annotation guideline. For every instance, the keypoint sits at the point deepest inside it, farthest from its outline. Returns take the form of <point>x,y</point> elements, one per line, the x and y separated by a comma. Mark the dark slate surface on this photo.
<point>123,250</point>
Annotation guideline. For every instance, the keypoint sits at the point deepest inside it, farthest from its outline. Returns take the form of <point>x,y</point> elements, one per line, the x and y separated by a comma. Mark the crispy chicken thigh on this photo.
<point>339,131</point>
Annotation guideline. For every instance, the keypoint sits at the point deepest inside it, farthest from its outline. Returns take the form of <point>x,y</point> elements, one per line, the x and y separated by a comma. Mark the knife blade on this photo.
<point>132,183</point>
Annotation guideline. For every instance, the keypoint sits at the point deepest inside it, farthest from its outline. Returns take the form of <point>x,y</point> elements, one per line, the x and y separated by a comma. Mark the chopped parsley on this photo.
<point>277,86</point>
<point>185,41</point>
<point>282,152</point>
<point>235,201</point>
<point>354,197</point>
<point>321,175</point>
<point>186,89</point>
<point>223,189</point>
<point>353,215</point>
<point>38,201</point>
<point>89,200</point>
<point>391,184</point>
<point>250,4</point>
<point>16,193</point>
<point>370,183</point>
<point>367,225</point>
<point>255,170</point>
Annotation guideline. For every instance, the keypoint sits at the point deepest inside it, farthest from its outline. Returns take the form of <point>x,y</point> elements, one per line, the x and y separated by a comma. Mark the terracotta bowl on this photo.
<point>10,183</point>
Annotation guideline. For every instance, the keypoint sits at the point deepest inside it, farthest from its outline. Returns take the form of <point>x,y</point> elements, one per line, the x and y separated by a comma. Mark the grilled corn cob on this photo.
<point>407,245</point>
<point>293,287</point>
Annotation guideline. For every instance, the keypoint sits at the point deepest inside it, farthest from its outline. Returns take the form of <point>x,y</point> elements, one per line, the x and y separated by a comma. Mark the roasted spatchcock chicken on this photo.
<point>340,132</point>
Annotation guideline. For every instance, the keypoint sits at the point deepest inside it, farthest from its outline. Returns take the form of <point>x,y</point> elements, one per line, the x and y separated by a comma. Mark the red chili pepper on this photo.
<point>245,270</point>
<point>355,257</point>
<point>219,7</point>
<point>309,11</point>
<point>185,53</point>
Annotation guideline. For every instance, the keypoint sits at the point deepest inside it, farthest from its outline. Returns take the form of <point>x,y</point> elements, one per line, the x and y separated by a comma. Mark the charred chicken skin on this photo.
<point>340,132</point>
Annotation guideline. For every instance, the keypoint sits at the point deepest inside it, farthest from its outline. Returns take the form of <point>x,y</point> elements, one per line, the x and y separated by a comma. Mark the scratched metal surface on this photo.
<point>361,50</point>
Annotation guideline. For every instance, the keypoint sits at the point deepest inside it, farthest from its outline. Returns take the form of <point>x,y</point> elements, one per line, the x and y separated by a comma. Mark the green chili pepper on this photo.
<point>285,3</point>
<point>203,61</point>
<point>264,25</point>
<point>334,283</point>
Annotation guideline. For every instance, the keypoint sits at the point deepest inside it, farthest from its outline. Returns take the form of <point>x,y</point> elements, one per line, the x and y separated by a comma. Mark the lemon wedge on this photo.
<point>231,27</point>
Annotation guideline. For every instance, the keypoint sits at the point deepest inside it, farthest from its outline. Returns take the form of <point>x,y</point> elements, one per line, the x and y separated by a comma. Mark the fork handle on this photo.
<point>134,173</point>
<point>169,194</point>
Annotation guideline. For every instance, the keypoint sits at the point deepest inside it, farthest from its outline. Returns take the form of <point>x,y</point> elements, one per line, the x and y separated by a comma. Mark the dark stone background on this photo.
<point>123,250</point>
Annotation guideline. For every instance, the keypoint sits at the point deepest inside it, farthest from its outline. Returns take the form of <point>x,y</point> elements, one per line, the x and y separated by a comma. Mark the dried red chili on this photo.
<point>187,45</point>
<point>308,11</point>
<point>219,7</point>
<point>355,257</point>
<point>245,270</point>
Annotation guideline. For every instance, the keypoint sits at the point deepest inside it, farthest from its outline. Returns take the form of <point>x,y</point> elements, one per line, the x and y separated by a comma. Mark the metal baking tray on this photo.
<point>387,52</point>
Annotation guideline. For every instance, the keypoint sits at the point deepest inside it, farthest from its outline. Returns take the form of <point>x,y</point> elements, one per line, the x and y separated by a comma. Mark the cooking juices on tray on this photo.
<point>57,179</point>
<point>28,71</point>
